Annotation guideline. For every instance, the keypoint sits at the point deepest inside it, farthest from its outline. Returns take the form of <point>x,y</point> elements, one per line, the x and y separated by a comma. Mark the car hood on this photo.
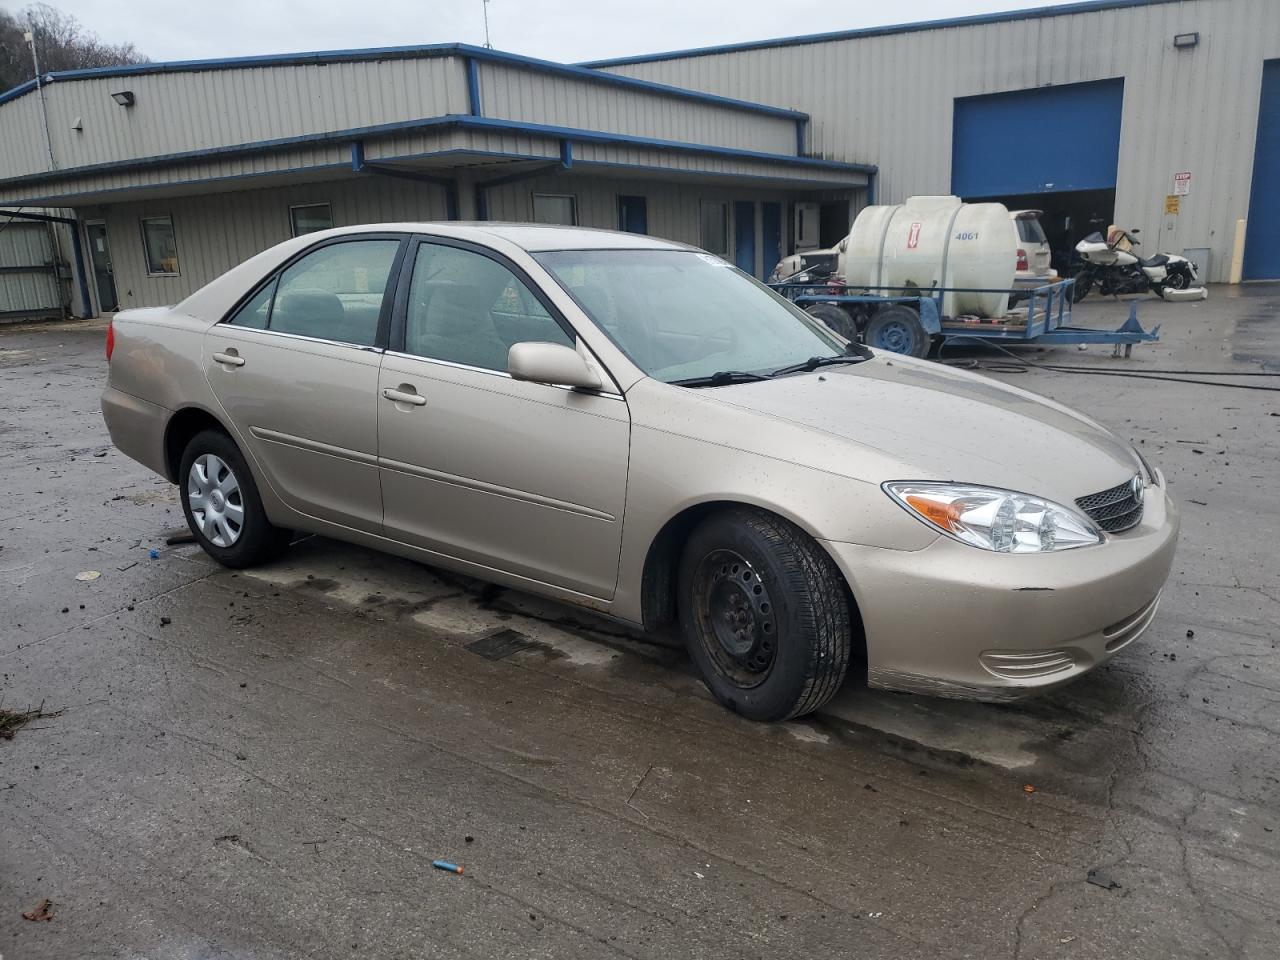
<point>938,423</point>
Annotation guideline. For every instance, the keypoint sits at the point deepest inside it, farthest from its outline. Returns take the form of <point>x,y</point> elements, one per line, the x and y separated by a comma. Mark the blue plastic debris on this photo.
<point>154,554</point>
<point>446,865</point>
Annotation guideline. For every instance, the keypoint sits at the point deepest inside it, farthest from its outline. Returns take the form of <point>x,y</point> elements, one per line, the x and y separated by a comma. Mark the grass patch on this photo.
<point>12,721</point>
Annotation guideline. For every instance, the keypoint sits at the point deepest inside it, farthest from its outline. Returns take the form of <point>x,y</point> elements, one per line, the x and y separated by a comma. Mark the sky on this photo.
<point>564,30</point>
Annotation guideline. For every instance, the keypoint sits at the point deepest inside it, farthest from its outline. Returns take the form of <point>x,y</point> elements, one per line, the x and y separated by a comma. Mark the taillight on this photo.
<point>111,339</point>
<point>1022,260</point>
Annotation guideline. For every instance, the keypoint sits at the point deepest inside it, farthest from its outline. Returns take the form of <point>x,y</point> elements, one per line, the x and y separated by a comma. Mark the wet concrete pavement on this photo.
<point>264,764</point>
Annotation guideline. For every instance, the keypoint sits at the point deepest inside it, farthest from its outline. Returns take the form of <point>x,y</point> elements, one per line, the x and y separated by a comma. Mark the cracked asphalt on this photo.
<point>265,764</point>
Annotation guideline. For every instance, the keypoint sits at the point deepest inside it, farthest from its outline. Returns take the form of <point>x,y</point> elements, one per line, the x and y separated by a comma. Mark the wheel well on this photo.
<point>658,581</point>
<point>184,425</point>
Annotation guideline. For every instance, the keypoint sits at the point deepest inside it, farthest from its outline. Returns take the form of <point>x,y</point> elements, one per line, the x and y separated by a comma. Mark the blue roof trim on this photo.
<point>54,198</point>
<point>406,53</point>
<point>465,121</point>
<point>1030,13</point>
<point>345,167</point>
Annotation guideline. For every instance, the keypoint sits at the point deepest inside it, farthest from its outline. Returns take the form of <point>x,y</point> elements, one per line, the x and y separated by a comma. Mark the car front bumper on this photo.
<point>953,620</point>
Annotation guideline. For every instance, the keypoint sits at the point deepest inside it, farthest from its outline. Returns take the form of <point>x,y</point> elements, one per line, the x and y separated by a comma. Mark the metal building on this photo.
<point>173,173</point>
<point>1157,114</point>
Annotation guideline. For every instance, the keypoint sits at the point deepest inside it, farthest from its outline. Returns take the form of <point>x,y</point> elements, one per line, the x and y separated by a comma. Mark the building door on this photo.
<point>771,234</point>
<point>1262,240</point>
<point>633,216</point>
<point>103,276</point>
<point>1053,149</point>
<point>744,236</point>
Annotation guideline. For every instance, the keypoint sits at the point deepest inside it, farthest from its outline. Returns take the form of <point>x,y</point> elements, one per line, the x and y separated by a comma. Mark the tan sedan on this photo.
<point>637,427</point>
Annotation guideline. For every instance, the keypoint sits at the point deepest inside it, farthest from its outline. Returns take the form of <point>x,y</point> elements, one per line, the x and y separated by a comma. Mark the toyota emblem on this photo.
<point>1136,486</point>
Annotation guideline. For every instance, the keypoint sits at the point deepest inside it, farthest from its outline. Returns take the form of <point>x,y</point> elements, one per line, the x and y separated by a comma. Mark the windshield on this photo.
<point>1030,231</point>
<point>683,315</point>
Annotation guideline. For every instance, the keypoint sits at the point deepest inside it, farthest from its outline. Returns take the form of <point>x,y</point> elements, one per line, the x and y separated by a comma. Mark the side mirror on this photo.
<point>551,363</point>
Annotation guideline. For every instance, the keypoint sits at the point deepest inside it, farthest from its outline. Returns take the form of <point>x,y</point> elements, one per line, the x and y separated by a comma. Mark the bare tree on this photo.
<point>62,43</point>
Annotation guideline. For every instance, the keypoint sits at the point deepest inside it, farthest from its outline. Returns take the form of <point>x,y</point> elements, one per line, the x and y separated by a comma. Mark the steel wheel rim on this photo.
<point>736,619</point>
<point>215,500</point>
<point>895,337</point>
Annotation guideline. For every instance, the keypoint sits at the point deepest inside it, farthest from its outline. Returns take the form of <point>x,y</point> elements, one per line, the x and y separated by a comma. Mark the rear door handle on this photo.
<point>229,359</point>
<point>401,396</point>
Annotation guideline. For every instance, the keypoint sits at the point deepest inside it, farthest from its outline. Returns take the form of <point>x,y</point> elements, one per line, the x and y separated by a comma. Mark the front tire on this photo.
<point>221,503</point>
<point>765,615</point>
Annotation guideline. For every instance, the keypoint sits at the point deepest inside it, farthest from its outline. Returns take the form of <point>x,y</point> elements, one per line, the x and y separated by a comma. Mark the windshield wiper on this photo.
<point>721,378</point>
<point>813,363</point>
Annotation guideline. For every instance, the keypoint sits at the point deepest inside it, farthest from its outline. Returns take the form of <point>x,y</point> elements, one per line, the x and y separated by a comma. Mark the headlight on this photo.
<point>997,520</point>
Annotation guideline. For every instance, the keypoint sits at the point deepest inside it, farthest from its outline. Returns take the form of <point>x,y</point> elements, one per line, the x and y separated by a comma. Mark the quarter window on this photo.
<point>714,227</point>
<point>310,217</point>
<point>555,208</point>
<point>467,308</point>
<point>161,246</point>
<point>256,313</point>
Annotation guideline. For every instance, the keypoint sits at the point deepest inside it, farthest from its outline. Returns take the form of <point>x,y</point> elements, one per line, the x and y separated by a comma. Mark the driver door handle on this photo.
<point>400,396</point>
<point>229,359</point>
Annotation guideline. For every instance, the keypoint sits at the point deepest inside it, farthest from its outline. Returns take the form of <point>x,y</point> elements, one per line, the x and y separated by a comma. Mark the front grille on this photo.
<point>1114,510</point>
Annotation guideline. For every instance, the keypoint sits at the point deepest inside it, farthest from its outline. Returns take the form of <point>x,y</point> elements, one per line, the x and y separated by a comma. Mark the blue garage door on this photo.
<point>1050,140</point>
<point>1262,240</point>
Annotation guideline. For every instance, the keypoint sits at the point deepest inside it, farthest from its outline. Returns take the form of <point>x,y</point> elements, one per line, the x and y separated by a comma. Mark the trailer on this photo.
<point>910,320</point>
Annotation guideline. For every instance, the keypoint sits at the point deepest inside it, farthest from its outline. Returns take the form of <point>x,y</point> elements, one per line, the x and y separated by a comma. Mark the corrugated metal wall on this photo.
<point>512,93</point>
<point>888,100</point>
<point>29,281</point>
<point>672,208</point>
<point>216,232</point>
<point>179,112</point>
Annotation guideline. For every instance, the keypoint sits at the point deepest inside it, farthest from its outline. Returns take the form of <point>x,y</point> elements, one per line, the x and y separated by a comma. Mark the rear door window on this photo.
<point>333,293</point>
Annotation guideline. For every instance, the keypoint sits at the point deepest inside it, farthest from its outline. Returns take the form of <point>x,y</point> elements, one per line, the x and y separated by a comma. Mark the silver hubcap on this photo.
<point>213,494</point>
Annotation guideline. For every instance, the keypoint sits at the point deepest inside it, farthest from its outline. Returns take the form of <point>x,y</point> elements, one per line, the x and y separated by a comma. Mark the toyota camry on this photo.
<point>637,427</point>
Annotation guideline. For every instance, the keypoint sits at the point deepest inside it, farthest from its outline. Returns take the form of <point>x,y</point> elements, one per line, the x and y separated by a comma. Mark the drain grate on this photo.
<point>500,645</point>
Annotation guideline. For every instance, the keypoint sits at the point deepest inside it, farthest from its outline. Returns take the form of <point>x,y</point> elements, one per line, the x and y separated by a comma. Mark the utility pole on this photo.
<point>30,37</point>
<point>485,6</point>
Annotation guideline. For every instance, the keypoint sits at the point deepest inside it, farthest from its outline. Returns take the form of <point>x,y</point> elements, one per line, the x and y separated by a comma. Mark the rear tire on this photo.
<point>222,505</point>
<point>896,328</point>
<point>833,318</point>
<point>764,613</point>
<point>1084,283</point>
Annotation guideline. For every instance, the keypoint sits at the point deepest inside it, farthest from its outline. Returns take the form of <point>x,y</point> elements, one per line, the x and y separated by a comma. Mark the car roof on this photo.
<point>533,237</point>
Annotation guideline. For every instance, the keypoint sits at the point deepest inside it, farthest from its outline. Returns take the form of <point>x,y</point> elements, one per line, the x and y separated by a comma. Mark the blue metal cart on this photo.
<point>911,321</point>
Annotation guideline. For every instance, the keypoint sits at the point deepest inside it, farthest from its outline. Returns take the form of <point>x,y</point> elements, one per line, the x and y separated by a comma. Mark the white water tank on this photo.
<point>931,242</point>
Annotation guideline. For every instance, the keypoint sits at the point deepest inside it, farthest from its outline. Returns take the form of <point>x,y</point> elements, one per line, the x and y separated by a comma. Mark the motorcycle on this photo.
<point>1116,268</point>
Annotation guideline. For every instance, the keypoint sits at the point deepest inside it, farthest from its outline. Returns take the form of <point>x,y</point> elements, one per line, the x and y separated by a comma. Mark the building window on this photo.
<point>555,208</point>
<point>310,217</point>
<point>713,230</point>
<point>161,246</point>
<point>632,215</point>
